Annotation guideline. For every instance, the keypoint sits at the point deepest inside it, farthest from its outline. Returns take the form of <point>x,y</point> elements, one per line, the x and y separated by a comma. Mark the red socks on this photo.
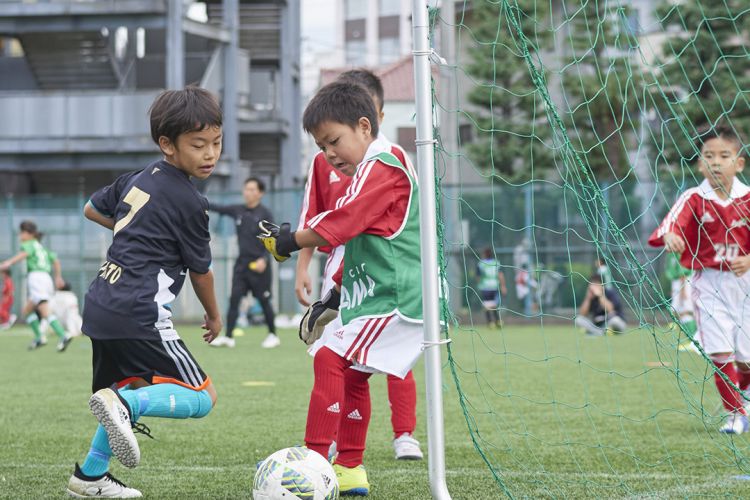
<point>355,419</point>
<point>402,397</point>
<point>326,400</point>
<point>729,397</point>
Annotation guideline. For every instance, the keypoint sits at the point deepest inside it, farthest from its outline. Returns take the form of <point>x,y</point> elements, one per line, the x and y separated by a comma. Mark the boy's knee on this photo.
<point>206,402</point>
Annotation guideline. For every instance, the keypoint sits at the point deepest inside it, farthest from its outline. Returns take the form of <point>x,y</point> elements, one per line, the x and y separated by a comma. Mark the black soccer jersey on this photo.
<point>246,222</point>
<point>161,232</point>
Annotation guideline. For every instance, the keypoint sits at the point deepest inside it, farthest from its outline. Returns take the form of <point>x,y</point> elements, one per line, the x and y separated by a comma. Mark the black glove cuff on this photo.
<point>332,299</point>
<point>286,244</point>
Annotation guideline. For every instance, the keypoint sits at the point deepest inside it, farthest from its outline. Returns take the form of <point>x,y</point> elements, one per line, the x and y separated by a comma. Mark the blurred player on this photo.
<point>141,367</point>
<point>708,228</point>
<point>380,298</point>
<point>491,287</point>
<point>251,269</point>
<point>603,308</point>
<point>7,318</point>
<point>681,297</point>
<point>39,264</point>
<point>325,185</point>
<point>65,306</point>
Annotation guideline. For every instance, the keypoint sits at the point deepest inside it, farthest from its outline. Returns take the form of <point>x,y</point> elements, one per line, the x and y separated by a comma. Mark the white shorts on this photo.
<point>682,300</point>
<point>386,344</point>
<point>722,312</point>
<point>332,265</point>
<point>40,286</point>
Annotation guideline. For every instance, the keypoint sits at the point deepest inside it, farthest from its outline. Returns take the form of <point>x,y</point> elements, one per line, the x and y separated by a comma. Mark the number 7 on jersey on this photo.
<point>136,199</point>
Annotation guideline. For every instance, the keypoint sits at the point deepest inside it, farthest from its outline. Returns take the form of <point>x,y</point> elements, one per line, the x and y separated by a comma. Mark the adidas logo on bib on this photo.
<point>354,415</point>
<point>334,408</point>
<point>707,217</point>
<point>333,178</point>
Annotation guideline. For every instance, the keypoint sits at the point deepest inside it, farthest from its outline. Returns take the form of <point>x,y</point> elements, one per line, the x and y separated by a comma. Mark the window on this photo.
<point>356,53</point>
<point>356,9</point>
<point>389,50</point>
<point>389,8</point>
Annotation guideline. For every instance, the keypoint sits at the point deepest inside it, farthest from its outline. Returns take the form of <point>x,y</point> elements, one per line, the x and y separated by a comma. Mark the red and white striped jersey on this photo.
<point>715,231</point>
<point>325,185</point>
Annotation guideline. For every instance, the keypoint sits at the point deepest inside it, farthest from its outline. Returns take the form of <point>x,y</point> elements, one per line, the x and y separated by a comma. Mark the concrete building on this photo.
<point>77,77</point>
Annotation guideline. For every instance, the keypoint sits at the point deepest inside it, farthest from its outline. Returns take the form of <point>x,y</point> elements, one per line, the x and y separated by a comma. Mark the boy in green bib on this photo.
<point>40,263</point>
<point>378,288</point>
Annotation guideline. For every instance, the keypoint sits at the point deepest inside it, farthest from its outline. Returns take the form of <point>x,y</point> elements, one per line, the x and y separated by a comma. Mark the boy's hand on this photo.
<point>303,287</point>
<point>740,265</point>
<point>213,327</point>
<point>278,240</point>
<point>318,316</point>
<point>673,242</point>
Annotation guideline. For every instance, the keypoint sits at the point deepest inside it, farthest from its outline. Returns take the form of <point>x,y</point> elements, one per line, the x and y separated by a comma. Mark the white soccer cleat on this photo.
<point>736,423</point>
<point>63,344</point>
<point>271,341</point>
<point>407,448</point>
<point>115,418</point>
<point>106,486</point>
<point>222,341</point>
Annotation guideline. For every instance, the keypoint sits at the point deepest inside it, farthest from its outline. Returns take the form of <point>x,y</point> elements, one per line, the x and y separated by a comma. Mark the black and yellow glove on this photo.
<point>318,316</point>
<point>278,240</point>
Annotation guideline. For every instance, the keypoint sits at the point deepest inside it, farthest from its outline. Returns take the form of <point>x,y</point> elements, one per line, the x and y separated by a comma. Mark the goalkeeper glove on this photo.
<point>318,316</point>
<point>279,241</point>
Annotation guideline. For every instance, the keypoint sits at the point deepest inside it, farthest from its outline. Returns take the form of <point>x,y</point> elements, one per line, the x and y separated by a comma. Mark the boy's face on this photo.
<point>24,236</point>
<point>720,162</point>
<point>344,146</point>
<point>195,153</point>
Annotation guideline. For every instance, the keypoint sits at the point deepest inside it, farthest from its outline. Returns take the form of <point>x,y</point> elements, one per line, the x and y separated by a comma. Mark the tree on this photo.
<point>509,114</point>
<point>703,75</point>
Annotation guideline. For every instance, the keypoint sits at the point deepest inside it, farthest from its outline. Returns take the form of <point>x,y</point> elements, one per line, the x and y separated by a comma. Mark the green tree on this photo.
<point>601,86</point>
<point>509,115</point>
<point>703,74</point>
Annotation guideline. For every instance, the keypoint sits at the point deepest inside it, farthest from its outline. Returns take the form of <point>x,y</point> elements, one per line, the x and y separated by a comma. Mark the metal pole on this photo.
<point>428,240</point>
<point>231,147</point>
<point>175,77</point>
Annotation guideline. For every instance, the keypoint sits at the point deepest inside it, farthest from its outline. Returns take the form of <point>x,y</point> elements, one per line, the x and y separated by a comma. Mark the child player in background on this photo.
<point>491,287</point>
<point>378,289</point>
<point>708,228</point>
<point>39,264</point>
<point>7,318</point>
<point>325,185</point>
<point>681,298</point>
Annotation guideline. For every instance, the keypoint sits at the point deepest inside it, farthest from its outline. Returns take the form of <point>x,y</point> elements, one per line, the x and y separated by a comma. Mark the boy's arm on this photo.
<point>503,286</point>
<point>57,269</point>
<point>223,209</point>
<point>678,224</point>
<point>302,283</point>
<point>94,215</point>
<point>203,284</point>
<point>4,265</point>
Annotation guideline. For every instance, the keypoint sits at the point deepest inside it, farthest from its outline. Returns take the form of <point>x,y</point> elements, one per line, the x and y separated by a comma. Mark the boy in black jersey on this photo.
<point>160,235</point>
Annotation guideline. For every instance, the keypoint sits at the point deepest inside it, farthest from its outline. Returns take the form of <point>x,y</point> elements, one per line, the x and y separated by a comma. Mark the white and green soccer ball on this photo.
<point>293,473</point>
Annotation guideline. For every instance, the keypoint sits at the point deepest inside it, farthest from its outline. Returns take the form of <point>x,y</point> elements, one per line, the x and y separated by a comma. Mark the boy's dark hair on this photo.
<point>176,112</point>
<point>720,132</point>
<point>340,102</point>
<point>368,80</point>
<point>261,185</point>
<point>487,253</point>
<point>28,226</point>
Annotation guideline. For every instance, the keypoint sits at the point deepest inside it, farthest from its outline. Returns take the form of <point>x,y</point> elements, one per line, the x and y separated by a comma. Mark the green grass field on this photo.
<point>557,415</point>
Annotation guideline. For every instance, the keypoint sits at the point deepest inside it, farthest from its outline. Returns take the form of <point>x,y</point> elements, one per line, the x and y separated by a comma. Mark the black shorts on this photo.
<point>156,361</point>
<point>245,280</point>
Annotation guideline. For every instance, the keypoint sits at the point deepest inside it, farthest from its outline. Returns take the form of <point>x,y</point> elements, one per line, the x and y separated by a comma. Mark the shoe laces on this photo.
<point>110,477</point>
<point>139,428</point>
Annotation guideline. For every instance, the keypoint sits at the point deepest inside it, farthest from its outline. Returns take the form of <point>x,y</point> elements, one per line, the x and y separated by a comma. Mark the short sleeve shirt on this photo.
<point>161,232</point>
<point>37,257</point>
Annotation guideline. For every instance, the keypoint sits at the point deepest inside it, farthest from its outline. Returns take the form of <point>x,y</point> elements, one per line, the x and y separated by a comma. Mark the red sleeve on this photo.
<point>375,203</point>
<point>338,276</point>
<point>680,219</point>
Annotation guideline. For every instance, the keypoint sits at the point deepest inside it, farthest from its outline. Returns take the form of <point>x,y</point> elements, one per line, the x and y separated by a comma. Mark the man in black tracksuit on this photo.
<point>252,270</point>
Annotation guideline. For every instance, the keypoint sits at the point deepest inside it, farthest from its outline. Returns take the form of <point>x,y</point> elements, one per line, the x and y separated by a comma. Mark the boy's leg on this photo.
<point>97,459</point>
<point>44,312</point>
<point>402,397</point>
<point>167,401</point>
<point>239,290</point>
<point>355,418</point>
<point>326,400</point>
<point>260,286</point>
<point>729,397</point>
<point>589,326</point>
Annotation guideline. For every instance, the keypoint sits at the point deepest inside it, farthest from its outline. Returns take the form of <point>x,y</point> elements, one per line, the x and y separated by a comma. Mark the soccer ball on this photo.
<point>295,472</point>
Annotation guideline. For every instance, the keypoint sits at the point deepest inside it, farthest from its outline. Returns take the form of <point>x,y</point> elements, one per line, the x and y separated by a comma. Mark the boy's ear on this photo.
<point>365,125</point>
<point>740,163</point>
<point>166,146</point>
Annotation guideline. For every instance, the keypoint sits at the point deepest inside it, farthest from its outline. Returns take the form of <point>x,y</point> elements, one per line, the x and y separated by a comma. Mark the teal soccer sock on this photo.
<point>167,401</point>
<point>97,460</point>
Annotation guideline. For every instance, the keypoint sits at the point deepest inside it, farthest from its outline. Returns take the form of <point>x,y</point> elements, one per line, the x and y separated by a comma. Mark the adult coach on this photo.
<point>252,272</point>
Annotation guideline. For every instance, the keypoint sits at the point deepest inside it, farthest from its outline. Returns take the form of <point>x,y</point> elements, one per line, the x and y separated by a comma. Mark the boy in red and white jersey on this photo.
<point>708,228</point>
<point>325,185</point>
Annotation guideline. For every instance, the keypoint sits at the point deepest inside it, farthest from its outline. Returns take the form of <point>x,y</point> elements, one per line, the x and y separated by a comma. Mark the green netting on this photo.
<point>567,131</point>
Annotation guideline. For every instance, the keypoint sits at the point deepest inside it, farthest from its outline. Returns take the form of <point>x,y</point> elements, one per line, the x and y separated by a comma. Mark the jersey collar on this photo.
<point>739,189</point>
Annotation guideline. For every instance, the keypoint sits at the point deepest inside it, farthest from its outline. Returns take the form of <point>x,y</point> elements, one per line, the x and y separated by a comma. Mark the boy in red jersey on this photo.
<point>324,187</point>
<point>708,228</point>
<point>378,290</point>
<point>6,300</point>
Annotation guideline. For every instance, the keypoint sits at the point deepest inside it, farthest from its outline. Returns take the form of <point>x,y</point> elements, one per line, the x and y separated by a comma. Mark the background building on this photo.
<point>76,80</point>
